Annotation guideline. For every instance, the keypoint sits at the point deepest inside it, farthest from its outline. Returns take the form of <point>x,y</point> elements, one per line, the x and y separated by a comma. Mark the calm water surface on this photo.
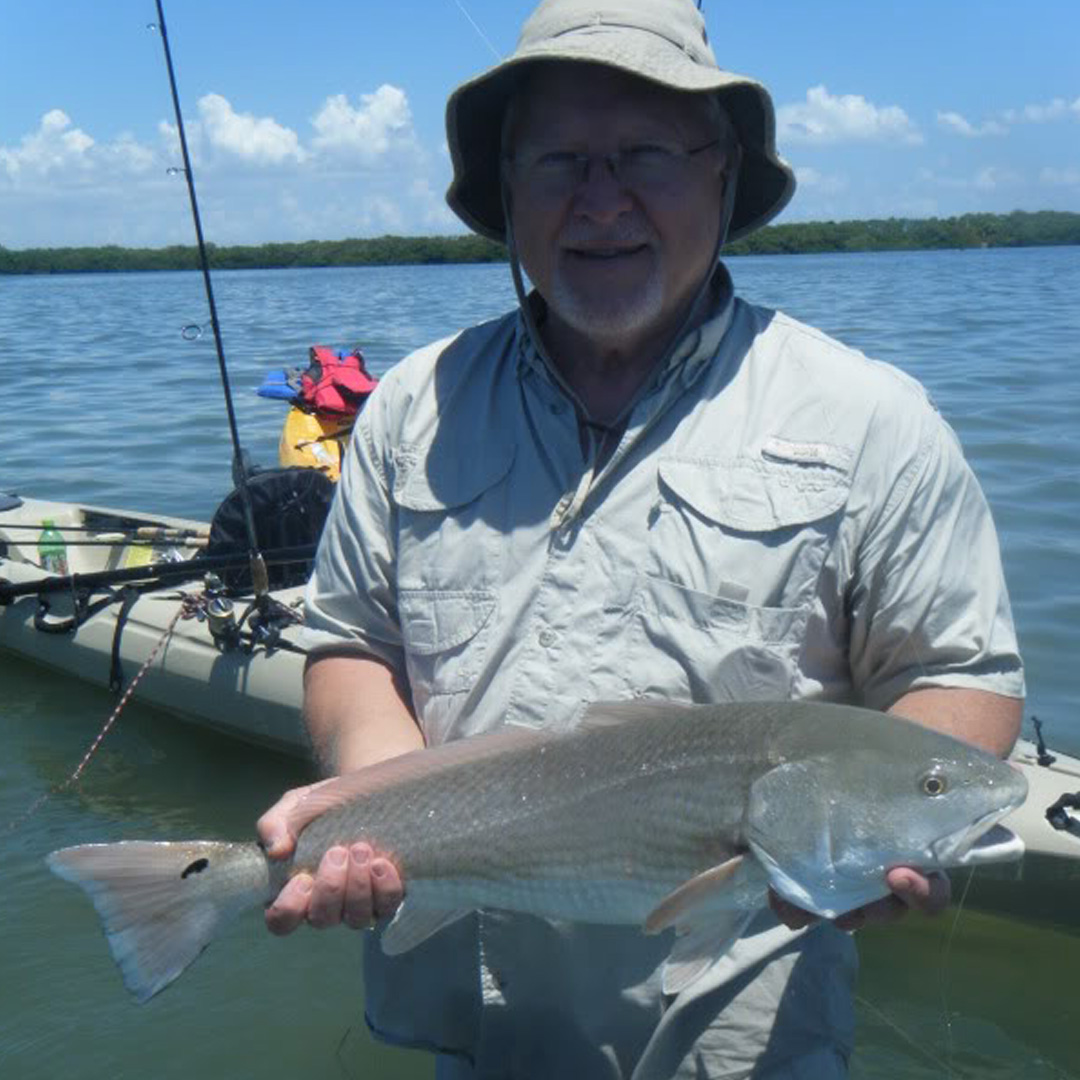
<point>105,401</point>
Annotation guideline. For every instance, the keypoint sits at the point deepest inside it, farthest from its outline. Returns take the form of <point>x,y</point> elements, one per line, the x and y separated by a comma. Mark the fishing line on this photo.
<point>184,610</point>
<point>866,1003</point>
<point>483,37</point>
<point>943,971</point>
<point>945,1065</point>
<point>339,1055</point>
<point>260,580</point>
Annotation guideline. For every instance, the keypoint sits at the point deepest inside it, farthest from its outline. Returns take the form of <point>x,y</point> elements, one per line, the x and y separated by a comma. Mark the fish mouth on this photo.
<point>984,841</point>
<point>998,844</point>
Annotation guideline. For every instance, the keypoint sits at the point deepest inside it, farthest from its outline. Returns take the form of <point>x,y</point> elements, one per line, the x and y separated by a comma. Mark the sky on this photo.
<point>324,119</point>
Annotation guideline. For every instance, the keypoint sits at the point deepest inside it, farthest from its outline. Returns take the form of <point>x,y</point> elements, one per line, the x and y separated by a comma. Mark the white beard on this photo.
<point>617,316</point>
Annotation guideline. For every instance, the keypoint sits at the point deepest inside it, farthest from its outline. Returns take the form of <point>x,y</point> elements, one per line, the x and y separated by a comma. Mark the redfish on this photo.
<point>647,813</point>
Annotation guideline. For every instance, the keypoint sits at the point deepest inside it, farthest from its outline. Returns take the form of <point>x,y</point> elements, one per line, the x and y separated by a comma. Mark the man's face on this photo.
<point>617,257</point>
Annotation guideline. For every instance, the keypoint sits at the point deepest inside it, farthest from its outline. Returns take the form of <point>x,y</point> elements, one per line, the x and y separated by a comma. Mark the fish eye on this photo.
<point>934,784</point>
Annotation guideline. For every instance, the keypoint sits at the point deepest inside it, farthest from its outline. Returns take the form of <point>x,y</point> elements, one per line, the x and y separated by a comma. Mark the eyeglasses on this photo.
<point>644,169</point>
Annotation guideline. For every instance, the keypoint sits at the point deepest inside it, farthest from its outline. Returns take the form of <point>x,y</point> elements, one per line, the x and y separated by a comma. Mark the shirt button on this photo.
<point>548,638</point>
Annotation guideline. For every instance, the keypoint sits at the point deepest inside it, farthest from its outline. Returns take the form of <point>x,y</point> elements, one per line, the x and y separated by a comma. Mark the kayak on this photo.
<point>245,681</point>
<point>212,658</point>
<point>140,598</point>
<point>1044,886</point>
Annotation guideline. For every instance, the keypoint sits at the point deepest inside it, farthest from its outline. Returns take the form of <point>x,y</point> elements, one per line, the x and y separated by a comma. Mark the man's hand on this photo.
<point>911,891</point>
<point>353,885</point>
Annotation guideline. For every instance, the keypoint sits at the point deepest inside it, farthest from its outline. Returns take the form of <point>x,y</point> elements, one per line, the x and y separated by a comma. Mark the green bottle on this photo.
<point>52,551</point>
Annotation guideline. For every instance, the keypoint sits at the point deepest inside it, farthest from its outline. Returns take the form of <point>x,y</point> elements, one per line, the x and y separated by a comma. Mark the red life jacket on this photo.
<point>335,383</point>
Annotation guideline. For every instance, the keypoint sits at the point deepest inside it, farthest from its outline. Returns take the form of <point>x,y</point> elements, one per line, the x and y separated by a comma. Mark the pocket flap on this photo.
<point>756,494</point>
<point>441,477</point>
<point>435,620</point>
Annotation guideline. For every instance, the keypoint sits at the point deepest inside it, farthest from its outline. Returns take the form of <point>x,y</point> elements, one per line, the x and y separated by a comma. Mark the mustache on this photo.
<point>628,235</point>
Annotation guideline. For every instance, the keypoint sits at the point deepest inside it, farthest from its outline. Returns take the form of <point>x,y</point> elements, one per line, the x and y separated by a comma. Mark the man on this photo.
<point>636,485</point>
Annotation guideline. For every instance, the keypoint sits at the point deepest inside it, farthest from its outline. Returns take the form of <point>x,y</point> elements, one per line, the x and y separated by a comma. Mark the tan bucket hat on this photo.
<point>663,41</point>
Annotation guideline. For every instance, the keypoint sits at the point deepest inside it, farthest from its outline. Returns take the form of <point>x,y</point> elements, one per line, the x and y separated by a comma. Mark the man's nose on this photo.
<point>601,195</point>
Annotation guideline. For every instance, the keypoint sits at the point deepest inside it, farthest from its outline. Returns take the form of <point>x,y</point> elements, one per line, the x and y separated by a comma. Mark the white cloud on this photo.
<point>260,140</point>
<point>170,137</point>
<point>823,118</point>
<point>360,169</point>
<point>1060,177</point>
<point>380,213</point>
<point>382,122</point>
<point>127,154</point>
<point>810,179</point>
<point>55,145</point>
<point>960,125</point>
<point>993,177</point>
<point>1047,112</point>
<point>1057,109</point>
<point>989,178</point>
<point>431,206</point>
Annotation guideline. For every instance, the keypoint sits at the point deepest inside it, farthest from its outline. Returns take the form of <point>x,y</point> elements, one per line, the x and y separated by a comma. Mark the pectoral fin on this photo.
<point>709,912</point>
<point>700,947</point>
<point>694,895</point>
<point>413,925</point>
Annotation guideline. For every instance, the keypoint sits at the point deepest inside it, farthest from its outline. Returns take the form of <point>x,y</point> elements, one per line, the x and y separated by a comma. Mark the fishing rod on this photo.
<point>260,579</point>
<point>117,539</point>
<point>171,571</point>
<point>137,532</point>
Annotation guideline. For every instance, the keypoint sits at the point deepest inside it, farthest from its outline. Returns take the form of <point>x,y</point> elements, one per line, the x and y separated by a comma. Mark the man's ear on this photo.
<point>731,167</point>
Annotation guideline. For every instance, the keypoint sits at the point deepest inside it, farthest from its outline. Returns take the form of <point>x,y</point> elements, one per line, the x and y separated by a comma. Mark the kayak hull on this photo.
<point>253,694</point>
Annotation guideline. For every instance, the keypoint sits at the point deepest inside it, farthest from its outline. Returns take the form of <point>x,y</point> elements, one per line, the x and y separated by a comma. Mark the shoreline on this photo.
<point>1043,228</point>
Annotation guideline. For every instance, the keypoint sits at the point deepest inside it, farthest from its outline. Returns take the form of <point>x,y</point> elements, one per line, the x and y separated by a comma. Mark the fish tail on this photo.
<point>161,904</point>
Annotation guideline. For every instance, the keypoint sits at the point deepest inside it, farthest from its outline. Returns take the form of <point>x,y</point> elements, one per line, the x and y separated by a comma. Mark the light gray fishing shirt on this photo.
<point>781,518</point>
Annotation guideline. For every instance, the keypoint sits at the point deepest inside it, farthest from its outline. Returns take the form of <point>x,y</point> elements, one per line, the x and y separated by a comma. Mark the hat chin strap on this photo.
<point>515,272</point>
<point>727,209</point>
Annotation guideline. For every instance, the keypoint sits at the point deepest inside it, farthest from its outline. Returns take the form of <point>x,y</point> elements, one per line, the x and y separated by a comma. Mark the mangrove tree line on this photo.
<point>1018,229</point>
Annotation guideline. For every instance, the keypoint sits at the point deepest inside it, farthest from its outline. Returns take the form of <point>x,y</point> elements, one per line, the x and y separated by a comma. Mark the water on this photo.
<point>104,401</point>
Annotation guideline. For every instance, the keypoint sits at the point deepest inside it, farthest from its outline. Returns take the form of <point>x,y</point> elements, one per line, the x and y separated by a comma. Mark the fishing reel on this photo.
<point>220,614</point>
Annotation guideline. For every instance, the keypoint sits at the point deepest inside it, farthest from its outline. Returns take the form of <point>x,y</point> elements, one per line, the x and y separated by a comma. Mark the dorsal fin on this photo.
<point>612,713</point>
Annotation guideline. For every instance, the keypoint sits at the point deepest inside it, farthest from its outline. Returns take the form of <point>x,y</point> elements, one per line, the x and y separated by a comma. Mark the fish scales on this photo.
<point>550,807</point>
<point>649,813</point>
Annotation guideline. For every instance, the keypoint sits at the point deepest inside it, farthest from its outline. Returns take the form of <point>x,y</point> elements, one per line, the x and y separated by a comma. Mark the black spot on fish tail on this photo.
<point>197,867</point>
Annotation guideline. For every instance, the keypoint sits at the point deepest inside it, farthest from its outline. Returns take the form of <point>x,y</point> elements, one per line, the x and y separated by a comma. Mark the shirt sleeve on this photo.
<point>929,606</point>
<point>351,599</point>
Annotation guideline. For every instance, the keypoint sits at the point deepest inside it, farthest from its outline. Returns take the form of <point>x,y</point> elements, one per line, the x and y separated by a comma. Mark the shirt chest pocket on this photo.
<point>735,555</point>
<point>449,509</point>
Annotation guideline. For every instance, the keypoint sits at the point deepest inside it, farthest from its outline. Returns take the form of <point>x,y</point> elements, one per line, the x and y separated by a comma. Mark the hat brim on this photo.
<point>474,115</point>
